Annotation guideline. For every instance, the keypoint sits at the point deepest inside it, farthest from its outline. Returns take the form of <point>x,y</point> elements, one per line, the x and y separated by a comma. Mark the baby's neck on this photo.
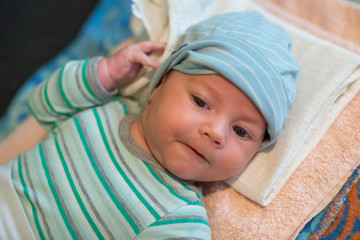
<point>138,136</point>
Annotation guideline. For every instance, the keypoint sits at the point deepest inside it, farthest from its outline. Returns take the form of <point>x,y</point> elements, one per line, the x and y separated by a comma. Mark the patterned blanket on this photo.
<point>341,218</point>
<point>108,26</point>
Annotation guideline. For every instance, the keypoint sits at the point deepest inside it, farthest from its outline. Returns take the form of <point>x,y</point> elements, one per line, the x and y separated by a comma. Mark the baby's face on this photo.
<point>200,127</point>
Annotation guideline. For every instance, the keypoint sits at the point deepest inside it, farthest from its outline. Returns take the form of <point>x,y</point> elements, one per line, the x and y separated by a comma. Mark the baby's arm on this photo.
<point>83,84</point>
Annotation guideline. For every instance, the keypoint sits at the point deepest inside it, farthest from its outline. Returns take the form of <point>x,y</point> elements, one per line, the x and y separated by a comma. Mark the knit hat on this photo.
<point>250,52</point>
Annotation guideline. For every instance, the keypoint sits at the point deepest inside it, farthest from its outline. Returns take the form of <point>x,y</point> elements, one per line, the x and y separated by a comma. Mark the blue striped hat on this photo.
<point>249,51</point>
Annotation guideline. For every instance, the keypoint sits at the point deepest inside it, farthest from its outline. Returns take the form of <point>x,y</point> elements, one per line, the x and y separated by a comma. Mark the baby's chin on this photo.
<point>200,178</point>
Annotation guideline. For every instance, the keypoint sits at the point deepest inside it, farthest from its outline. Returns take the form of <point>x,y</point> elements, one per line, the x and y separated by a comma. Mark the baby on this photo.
<point>111,169</point>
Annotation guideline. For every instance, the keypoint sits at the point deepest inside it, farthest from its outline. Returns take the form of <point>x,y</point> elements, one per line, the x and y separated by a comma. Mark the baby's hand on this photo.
<point>125,64</point>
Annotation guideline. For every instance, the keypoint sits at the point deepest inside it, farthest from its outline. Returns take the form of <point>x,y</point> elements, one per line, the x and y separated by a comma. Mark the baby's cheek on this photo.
<point>226,169</point>
<point>237,161</point>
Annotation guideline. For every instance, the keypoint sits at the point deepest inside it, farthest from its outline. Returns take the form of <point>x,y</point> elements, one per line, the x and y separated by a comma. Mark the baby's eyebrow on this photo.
<point>209,87</point>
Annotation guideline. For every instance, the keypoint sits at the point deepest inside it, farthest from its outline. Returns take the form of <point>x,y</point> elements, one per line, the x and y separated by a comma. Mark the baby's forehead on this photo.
<point>216,85</point>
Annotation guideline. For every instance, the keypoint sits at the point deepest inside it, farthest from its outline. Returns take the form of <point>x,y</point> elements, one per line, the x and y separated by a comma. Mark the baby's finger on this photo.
<point>144,59</point>
<point>149,46</point>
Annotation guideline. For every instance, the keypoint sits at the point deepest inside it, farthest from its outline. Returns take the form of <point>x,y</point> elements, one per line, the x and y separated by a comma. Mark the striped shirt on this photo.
<point>89,179</point>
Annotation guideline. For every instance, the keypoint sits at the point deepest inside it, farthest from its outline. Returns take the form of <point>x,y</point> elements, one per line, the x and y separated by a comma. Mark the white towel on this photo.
<point>328,80</point>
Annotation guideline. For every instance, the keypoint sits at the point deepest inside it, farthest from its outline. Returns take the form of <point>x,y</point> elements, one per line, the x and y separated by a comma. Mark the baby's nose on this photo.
<point>215,132</point>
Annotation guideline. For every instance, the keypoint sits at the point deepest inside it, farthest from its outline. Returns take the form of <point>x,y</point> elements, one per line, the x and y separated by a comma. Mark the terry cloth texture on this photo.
<point>249,51</point>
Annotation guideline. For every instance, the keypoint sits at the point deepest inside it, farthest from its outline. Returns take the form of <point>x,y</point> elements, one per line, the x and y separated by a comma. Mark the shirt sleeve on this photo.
<point>72,88</point>
<point>187,222</point>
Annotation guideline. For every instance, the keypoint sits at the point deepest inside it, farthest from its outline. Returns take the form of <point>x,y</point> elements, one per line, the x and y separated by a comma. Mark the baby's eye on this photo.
<point>240,131</point>
<point>201,103</point>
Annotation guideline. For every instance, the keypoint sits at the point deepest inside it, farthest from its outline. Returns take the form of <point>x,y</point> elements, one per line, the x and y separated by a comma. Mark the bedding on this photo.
<point>231,214</point>
<point>340,218</point>
<point>311,187</point>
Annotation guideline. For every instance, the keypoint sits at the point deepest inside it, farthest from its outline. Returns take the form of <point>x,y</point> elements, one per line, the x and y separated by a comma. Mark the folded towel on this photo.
<point>328,80</point>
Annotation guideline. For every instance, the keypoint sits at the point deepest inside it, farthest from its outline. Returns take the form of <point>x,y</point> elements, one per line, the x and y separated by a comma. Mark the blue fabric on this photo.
<point>106,27</point>
<point>341,218</point>
<point>249,51</point>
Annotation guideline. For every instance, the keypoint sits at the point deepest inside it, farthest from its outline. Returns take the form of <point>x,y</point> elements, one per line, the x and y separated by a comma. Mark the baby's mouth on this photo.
<point>197,153</point>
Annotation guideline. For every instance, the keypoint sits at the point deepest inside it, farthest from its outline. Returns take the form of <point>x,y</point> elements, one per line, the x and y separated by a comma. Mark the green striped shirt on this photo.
<point>89,179</point>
